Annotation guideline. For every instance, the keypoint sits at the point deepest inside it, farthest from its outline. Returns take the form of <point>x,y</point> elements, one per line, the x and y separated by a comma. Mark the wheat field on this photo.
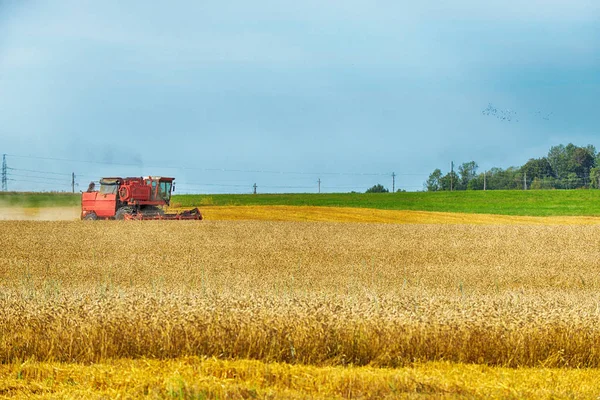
<point>322,294</point>
<point>303,293</point>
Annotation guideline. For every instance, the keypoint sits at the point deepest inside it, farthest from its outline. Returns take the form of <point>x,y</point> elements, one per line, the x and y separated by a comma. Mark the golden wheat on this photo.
<point>198,378</point>
<point>306,293</point>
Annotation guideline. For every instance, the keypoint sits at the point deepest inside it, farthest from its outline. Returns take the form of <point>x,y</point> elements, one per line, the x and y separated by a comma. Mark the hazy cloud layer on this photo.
<point>341,86</point>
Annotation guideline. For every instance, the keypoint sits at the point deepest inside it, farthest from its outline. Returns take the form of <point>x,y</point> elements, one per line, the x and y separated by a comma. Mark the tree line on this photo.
<point>565,167</point>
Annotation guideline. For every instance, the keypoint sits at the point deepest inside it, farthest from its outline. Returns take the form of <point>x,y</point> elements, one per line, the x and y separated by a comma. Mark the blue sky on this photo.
<point>225,94</point>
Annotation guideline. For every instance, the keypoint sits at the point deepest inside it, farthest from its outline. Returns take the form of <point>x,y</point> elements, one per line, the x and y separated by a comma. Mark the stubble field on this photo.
<point>305,294</point>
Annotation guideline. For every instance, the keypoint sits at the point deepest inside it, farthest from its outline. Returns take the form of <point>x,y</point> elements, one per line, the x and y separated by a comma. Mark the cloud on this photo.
<point>396,85</point>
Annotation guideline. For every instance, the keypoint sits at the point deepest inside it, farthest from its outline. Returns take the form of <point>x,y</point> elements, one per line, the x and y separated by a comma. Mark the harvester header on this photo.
<point>137,198</point>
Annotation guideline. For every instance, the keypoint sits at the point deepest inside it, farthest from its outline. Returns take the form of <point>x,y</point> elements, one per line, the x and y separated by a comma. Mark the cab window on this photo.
<point>108,189</point>
<point>165,190</point>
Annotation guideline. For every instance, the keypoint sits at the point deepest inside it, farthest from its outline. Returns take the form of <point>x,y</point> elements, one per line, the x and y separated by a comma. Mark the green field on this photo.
<point>35,199</point>
<point>509,202</point>
<point>517,202</point>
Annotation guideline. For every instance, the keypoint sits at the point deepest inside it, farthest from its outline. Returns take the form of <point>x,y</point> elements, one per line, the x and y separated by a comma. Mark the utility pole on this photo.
<point>319,181</point>
<point>484,180</point>
<point>73,182</point>
<point>254,186</point>
<point>451,175</point>
<point>4,172</point>
<point>525,181</point>
<point>393,182</point>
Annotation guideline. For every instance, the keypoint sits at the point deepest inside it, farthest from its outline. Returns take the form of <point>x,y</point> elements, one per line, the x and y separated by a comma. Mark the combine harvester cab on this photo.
<point>132,198</point>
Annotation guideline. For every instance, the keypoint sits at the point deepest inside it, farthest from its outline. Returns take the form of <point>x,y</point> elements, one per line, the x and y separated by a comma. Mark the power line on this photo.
<point>41,176</point>
<point>39,172</point>
<point>208,184</point>
<point>225,185</point>
<point>37,177</point>
<point>138,165</point>
<point>38,182</point>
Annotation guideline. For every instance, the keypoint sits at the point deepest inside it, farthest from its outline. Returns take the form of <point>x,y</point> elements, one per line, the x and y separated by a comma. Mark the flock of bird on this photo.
<point>509,115</point>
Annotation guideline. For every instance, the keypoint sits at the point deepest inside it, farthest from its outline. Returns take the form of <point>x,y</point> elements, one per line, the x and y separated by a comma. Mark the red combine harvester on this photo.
<point>132,198</point>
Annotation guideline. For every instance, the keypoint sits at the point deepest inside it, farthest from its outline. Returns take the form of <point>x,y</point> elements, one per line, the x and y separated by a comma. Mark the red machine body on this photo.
<point>132,198</point>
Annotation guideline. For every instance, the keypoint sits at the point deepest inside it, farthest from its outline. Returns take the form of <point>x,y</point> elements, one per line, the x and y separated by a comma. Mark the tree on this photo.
<point>558,159</point>
<point>536,184</point>
<point>595,178</point>
<point>581,162</point>
<point>476,183</point>
<point>449,181</point>
<point>591,149</point>
<point>538,168</point>
<point>467,172</point>
<point>565,167</point>
<point>597,160</point>
<point>570,159</point>
<point>434,182</point>
<point>572,181</point>
<point>377,189</point>
<point>508,179</point>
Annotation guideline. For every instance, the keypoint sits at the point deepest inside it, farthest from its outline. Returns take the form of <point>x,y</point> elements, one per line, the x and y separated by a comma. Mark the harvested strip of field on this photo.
<point>315,214</point>
<point>348,214</point>
<point>306,293</point>
<point>192,377</point>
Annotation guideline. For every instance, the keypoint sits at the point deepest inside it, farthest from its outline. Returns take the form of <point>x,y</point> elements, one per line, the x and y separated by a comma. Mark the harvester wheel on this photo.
<point>90,217</point>
<point>121,212</point>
